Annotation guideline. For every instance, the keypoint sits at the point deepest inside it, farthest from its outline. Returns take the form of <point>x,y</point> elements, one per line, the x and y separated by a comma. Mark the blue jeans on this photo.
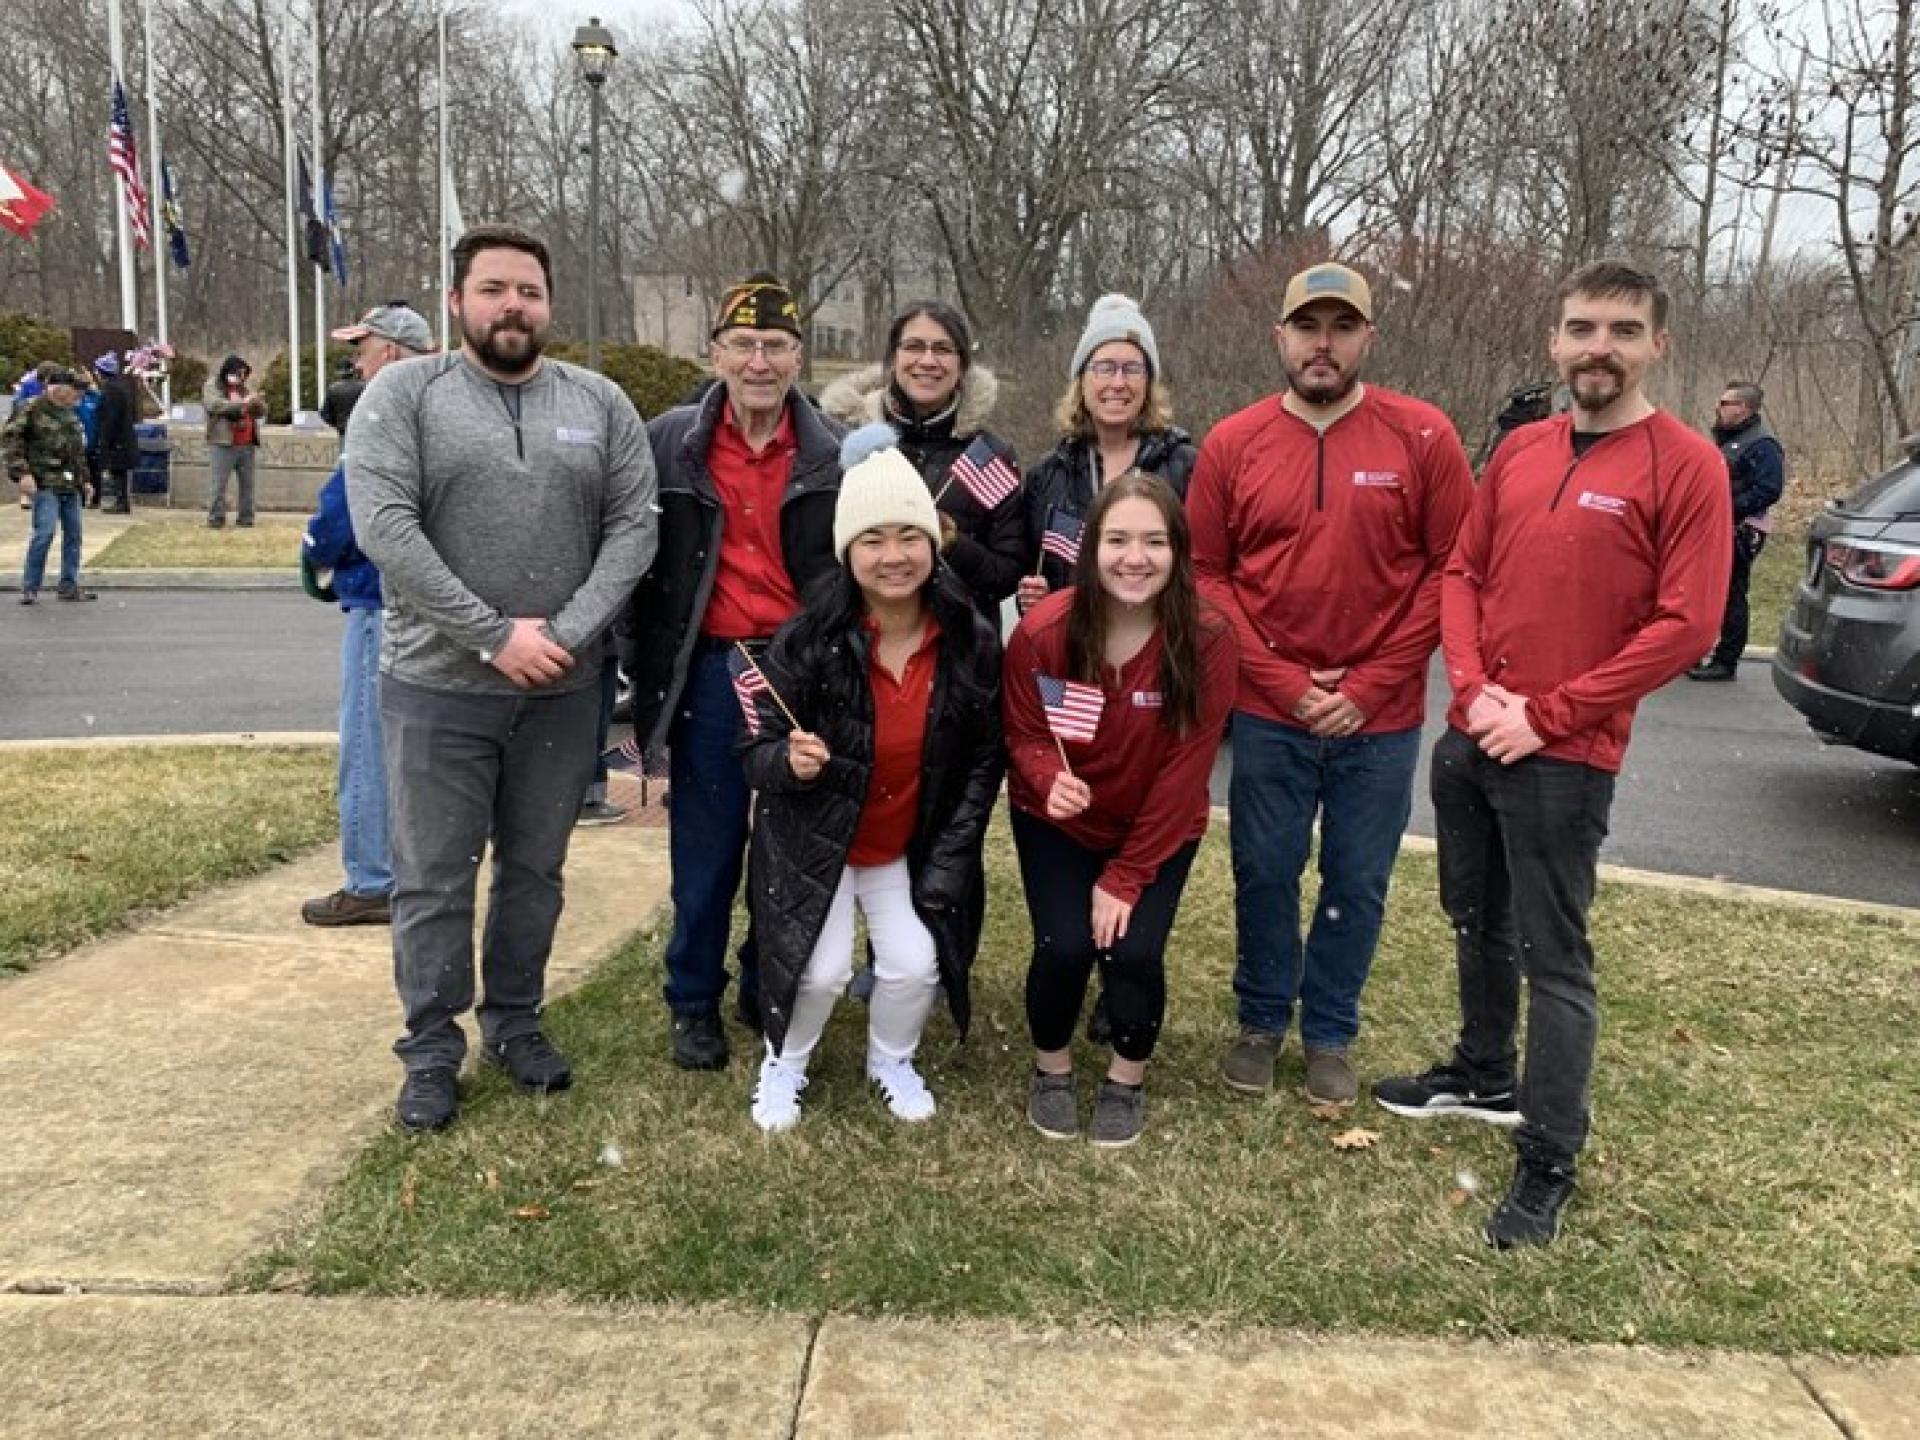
<point>471,771</point>
<point>707,802</point>
<point>364,851</point>
<point>1362,789</point>
<point>49,505</point>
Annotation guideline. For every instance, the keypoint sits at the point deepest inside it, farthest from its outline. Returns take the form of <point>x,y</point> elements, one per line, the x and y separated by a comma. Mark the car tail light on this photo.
<point>1873,565</point>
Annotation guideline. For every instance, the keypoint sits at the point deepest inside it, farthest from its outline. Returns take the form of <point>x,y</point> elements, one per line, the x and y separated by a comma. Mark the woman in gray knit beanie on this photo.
<point>1116,415</point>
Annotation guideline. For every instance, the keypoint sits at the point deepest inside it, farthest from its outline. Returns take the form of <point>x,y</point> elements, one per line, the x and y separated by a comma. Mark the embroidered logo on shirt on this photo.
<point>1147,700</point>
<point>1605,504</point>
<point>1378,479</point>
<point>568,436</point>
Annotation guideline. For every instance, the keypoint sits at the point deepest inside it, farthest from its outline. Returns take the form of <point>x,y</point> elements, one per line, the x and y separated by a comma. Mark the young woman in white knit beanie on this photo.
<point>874,752</point>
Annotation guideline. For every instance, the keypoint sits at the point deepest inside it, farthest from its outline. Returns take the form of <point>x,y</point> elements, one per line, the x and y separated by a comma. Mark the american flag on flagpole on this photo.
<point>1073,709</point>
<point>749,685</point>
<point>985,474</point>
<point>123,154</point>
<point>1063,535</point>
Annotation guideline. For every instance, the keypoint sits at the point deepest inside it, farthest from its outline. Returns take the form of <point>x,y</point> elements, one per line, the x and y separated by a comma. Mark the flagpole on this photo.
<point>129,300</point>
<point>319,208</point>
<point>293,223</point>
<point>155,198</point>
<point>446,184</point>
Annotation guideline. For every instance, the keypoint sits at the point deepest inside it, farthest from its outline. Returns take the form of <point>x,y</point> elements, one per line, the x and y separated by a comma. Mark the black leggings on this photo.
<point>1059,876</point>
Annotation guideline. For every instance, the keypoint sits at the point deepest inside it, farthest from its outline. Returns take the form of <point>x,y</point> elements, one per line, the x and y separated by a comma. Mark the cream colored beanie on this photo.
<point>879,486</point>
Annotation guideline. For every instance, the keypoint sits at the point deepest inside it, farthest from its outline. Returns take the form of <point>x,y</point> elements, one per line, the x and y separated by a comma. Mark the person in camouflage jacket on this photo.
<point>46,455</point>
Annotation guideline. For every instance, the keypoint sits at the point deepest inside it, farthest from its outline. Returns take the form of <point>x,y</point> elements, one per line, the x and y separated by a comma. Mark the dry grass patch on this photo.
<point>271,544</point>
<point>1749,1183</point>
<point>93,837</point>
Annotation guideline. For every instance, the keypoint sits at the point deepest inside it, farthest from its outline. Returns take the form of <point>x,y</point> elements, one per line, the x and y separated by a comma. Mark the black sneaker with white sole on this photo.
<point>1445,1092</point>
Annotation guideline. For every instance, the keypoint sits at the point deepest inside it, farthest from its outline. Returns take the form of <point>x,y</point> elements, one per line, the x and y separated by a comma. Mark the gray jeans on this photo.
<point>464,771</point>
<point>225,460</point>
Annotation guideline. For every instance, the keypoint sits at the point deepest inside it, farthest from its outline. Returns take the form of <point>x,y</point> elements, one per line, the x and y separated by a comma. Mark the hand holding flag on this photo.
<point>1073,711</point>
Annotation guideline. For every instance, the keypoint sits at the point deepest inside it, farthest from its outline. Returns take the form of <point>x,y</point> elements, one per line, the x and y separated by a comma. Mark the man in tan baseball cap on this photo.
<point>1322,518</point>
<point>1328,282</point>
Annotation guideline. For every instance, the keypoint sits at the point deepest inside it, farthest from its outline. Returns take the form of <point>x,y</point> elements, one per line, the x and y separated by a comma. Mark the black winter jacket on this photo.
<point>662,622</point>
<point>989,545</point>
<point>1067,479</point>
<point>1756,466</point>
<point>117,442</point>
<point>802,832</point>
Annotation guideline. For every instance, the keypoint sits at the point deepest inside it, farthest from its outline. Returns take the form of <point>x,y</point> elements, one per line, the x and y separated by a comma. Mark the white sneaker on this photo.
<point>907,1094</point>
<point>776,1099</point>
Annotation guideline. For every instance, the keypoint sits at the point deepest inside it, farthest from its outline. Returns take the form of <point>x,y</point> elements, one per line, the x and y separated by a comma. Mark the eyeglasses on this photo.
<point>742,348</point>
<point>916,349</point>
<point>1107,369</point>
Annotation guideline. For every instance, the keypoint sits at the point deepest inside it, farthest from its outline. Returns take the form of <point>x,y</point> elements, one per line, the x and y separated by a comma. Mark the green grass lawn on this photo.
<point>94,836</point>
<point>272,544</point>
<point>1776,574</point>
<point>1749,1184</point>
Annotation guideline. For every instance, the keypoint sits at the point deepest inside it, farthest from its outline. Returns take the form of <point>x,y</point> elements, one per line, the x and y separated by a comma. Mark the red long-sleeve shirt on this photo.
<point>1149,784</point>
<point>1584,583</point>
<point>1325,549</point>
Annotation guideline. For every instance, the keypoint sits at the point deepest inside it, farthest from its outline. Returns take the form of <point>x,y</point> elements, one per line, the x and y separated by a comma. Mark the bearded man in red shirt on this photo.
<point>1322,519</point>
<point>1591,570</point>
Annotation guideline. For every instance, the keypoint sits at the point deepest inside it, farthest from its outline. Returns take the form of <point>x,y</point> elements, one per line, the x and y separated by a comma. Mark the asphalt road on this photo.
<point>1721,780</point>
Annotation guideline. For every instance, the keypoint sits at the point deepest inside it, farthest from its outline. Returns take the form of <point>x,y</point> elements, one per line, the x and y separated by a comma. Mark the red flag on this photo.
<point>21,206</point>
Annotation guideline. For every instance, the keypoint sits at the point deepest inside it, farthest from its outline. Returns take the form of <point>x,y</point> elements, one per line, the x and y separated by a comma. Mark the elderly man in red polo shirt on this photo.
<point>748,478</point>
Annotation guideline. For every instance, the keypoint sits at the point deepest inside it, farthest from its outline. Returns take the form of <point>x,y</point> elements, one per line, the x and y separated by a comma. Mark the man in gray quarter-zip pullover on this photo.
<point>508,501</point>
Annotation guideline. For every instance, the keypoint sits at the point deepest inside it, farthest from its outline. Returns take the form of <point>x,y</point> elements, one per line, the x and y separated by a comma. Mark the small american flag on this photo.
<point>985,474</point>
<point>123,155</point>
<point>1063,535</point>
<point>748,684</point>
<point>1073,709</point>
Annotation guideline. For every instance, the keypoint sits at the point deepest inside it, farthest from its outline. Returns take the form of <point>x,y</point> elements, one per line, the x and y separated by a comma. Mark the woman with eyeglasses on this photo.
<point>938,401</point>
<point>1115,416</point>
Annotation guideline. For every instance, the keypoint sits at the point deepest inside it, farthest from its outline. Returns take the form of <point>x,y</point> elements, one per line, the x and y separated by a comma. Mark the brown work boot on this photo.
<point>1330,1078</point>
<point>343,907</point>
<point>1248,1063</point>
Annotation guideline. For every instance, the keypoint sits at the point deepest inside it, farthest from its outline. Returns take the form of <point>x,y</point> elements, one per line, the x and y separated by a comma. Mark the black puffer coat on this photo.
<point>802,832</point>
<point>116,440</point>
<point>988,545</point>
<point>1068,477</point>
<point>657,633</point>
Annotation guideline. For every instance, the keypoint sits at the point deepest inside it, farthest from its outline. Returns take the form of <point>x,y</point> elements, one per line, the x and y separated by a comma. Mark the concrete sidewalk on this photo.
<point>175,1098</point>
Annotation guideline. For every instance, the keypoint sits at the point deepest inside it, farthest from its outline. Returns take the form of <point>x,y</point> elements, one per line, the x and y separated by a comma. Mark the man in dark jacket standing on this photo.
<point>385,334</point>
<point>748,479</point>
<point>116,441</point>
<point>1757,468</point>
<point>507,500</point>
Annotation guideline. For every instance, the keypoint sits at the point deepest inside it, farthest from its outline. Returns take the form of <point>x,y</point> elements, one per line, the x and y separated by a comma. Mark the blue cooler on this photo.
<point>152,476</point>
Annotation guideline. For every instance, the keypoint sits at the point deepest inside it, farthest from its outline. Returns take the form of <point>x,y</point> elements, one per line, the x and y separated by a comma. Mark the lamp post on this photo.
<point>593,44</point>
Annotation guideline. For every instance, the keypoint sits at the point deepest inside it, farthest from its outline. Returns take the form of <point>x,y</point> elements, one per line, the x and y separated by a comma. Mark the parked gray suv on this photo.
<point>1849,652</point>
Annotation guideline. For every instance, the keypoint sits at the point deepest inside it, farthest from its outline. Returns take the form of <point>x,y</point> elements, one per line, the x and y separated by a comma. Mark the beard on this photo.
<point>1597,385</point>
<point>508,346</point>
<point>1320,389</point>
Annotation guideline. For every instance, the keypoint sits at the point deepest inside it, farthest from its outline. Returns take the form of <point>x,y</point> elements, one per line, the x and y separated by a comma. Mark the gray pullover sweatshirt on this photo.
<point>476,517</point>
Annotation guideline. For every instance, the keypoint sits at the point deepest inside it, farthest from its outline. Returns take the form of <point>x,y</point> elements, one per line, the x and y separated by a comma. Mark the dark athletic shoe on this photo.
<point>700,1041</point>
<point>429,1100</point>
<point>74,592</point>
<point>533,1063</point>
<point>1530,1213</point>
<point>1119,1115</point>
<point>1713,670</point>
<point>1444,1092</point>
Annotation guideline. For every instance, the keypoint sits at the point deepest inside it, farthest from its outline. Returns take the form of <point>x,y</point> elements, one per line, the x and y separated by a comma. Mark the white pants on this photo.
<point>905,970</point>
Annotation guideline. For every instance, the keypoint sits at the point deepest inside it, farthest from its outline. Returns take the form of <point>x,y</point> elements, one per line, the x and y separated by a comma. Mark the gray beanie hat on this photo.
<point>1114,317</point>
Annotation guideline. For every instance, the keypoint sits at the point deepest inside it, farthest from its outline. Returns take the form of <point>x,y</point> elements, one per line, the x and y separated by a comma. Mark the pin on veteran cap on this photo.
<point>1328,282</point>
